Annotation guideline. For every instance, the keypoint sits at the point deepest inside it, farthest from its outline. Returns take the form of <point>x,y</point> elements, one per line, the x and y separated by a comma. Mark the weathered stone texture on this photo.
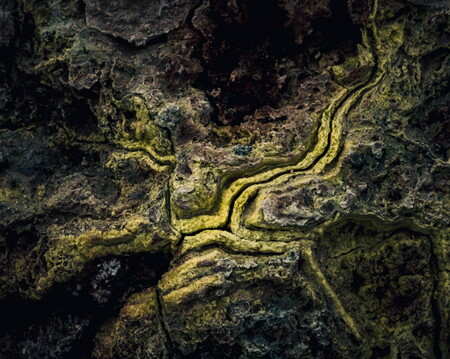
<point>224,179</point>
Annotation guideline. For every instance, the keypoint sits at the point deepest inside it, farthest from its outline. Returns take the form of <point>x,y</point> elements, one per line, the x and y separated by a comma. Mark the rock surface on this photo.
<point>224,179</point>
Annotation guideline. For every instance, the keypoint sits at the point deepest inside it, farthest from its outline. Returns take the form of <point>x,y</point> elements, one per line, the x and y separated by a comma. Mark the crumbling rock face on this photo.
<point>224,179</point>
<point>134,22</point>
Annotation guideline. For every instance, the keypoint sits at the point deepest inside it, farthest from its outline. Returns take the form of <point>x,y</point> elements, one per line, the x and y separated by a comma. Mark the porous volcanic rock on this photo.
<point>224,179</point>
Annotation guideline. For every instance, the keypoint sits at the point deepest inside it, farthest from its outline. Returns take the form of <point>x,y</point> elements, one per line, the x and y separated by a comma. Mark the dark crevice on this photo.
<point>65,321</point>
<point>130,47</point>
<point>161,316</point>
<point>197,53</point>
<point>242,60</point>
<point>335,32</point>
<point>347,252</point>
<point>239,62</point>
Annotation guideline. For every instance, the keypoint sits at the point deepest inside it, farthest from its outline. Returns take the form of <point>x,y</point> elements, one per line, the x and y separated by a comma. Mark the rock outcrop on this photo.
<point>224,179</point>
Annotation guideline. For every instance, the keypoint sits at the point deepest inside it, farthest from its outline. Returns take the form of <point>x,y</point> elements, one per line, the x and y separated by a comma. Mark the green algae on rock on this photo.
<point>290,158</point>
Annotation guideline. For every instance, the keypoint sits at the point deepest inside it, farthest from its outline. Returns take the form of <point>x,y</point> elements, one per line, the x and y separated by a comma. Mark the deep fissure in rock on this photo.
<point>252,58</point>
<point>65,321</point>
